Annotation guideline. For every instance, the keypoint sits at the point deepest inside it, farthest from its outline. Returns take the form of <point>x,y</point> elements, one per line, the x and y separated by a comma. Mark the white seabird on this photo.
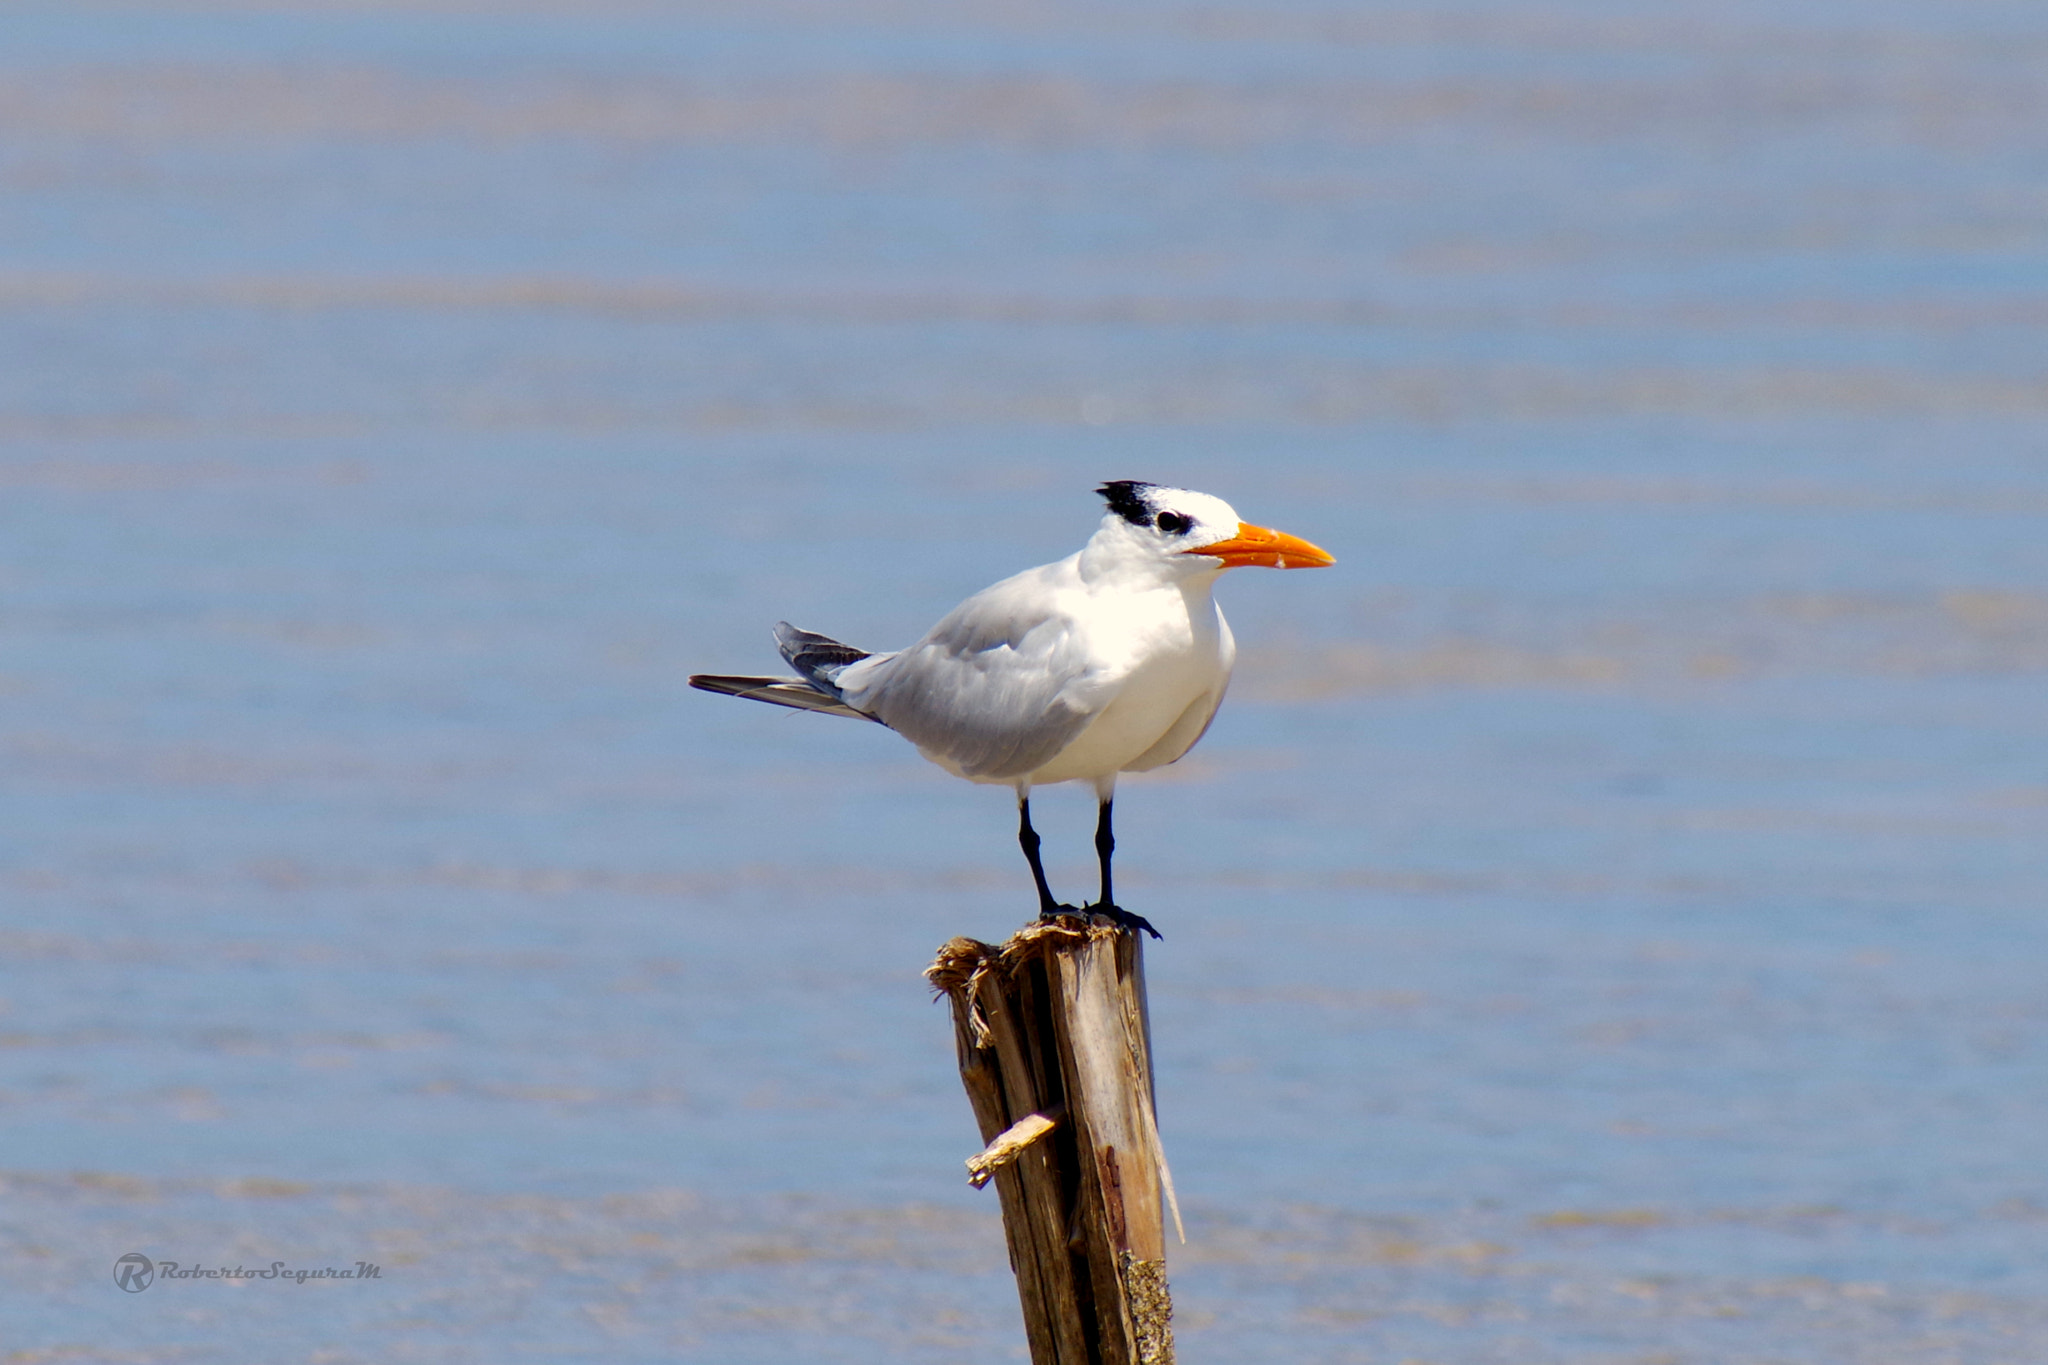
<point>1112,660</point>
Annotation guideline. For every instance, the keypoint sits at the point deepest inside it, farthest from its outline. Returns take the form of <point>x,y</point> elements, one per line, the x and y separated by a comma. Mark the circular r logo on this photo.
<point>134,1272</point>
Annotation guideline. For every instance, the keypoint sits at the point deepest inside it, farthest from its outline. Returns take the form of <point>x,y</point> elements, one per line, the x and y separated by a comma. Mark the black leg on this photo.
<point>1028,837</point>
<point>1105,849</point>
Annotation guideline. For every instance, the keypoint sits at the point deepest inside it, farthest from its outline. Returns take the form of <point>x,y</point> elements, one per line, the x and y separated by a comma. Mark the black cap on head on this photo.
<point>1127,498</point>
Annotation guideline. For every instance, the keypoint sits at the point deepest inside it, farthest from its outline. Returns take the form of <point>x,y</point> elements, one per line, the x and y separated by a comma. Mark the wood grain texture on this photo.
<point>1054,1023</point>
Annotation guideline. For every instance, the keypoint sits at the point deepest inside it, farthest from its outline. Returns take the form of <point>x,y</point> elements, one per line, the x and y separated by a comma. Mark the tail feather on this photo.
<point>791,692</point>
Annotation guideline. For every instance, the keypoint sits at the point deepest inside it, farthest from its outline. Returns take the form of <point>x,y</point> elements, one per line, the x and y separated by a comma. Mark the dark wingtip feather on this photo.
<point>818,657</point>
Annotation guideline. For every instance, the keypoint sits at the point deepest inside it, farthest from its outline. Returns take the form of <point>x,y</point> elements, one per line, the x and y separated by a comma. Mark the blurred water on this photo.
<point>1604,924</point>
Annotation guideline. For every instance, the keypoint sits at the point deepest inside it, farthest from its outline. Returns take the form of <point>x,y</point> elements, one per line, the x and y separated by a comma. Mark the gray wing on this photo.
<point>997,689</point>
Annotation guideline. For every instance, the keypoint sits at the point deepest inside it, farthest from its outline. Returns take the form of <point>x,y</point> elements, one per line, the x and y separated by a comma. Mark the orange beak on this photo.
<point>1255,545</point>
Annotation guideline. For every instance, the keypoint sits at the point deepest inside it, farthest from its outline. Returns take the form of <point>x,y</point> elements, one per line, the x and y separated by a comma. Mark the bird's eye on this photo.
<point>1173,523</point>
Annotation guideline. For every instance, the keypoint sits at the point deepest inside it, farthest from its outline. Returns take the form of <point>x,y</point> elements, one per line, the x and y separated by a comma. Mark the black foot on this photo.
<point>1125,920</point>
<point>1051,913</point>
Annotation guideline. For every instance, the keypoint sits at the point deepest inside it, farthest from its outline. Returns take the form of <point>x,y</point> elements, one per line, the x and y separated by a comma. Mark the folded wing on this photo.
<point>997,689</point>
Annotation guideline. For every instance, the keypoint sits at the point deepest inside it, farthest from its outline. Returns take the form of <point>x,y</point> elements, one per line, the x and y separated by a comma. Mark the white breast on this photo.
<point>1178,668</point>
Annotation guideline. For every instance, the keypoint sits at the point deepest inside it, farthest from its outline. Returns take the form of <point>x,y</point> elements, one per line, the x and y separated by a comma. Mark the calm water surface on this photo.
<point>1605,924</point>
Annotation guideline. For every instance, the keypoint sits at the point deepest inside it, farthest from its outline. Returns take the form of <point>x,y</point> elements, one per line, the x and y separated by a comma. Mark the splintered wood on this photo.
<point>1055,1052</point>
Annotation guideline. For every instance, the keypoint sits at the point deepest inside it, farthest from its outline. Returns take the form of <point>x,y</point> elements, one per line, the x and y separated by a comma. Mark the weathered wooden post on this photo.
<point>1056,1053</point>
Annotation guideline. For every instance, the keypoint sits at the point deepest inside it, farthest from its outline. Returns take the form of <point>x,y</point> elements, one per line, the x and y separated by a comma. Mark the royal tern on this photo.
<point>1112,660</point>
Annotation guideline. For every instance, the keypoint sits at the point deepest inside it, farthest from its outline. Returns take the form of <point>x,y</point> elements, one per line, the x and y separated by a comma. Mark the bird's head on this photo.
<point>1179,527</point>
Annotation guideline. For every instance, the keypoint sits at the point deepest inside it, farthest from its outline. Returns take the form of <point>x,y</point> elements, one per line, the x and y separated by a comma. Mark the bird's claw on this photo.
<point>1125,920</point>
<point>1121,918</point>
